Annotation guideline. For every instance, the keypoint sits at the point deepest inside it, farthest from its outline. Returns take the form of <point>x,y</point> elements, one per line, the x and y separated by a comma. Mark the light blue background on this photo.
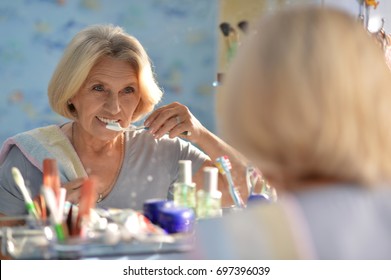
<point>179,35</point>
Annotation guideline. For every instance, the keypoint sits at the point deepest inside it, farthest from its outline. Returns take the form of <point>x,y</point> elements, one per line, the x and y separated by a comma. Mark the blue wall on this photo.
<point>179,35</point>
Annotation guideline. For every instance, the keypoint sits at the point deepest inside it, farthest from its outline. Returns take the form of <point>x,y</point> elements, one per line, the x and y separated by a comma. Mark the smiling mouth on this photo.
<point>107,121</point>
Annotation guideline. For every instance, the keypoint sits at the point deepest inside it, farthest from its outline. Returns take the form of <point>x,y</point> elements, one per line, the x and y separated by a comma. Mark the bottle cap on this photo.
<point>176,219</point>
<point>152,207</point>
<point>185,172</point>
<point>210,179</point>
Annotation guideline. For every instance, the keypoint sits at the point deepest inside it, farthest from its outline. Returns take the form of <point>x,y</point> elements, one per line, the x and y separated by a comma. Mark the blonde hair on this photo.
<point>309,96</point>
<point>84,51</point>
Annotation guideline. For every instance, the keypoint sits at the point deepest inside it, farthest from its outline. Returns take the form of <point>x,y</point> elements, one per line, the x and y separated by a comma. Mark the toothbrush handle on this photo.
<point>234,192</point>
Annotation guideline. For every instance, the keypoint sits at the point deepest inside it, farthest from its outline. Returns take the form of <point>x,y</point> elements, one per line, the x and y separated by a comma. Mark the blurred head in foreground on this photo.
<point>307,99</point>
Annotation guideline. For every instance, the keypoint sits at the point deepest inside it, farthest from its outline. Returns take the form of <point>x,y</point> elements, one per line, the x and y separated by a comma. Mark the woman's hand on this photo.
<point>174,119</point>
<point>72,195</point>
<point>73,190</point>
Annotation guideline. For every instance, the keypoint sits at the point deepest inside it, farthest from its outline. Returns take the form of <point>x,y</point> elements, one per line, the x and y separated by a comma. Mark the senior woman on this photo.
<point>314,116</point>
<point>105,76</point>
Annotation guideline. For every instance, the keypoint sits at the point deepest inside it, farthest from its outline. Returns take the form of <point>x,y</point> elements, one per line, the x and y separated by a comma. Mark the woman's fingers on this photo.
<point>174,119</point>
<point>167,127</point>
<point>73,197</point>
<point>74,184</point>
<point>73,189</point>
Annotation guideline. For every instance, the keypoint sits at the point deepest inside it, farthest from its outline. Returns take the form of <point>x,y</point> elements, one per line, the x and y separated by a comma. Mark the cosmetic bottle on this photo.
<point>184,188</point>
<point>209,198</point>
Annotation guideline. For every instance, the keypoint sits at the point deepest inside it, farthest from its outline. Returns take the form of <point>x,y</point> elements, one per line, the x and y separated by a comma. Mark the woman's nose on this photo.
<point>112,103</point>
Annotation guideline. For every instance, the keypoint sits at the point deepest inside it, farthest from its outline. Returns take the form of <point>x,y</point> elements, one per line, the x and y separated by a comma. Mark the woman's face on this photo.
<point>109,94</point>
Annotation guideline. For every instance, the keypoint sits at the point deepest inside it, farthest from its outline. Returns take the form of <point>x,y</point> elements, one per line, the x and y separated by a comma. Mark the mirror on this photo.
<point>182,38</point>
<point>179,36</point>
<point>375,24</point>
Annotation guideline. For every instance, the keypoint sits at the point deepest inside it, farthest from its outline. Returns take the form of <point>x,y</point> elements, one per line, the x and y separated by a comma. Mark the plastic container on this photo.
<point>152,207</point>
<point>177,219</point>
<point>258,198</point>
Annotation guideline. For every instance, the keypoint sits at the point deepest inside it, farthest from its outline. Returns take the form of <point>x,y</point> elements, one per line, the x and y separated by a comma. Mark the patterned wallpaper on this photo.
<point>179,35</point>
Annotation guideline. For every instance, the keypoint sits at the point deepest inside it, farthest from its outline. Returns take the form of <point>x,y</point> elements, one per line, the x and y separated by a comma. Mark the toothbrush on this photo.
<point>55,212</point>
<point>117,127</point>
<point>231,41</point>
<point>18,178</point>
<point>252,177</point>
<point>224,166</point>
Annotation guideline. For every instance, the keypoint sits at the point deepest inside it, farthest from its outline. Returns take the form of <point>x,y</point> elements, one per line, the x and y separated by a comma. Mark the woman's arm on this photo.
<point>175,119</point>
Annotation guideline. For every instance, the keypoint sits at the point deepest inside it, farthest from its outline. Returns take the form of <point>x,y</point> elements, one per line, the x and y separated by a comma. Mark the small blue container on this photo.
<point>258,198</point>
<point>177,219</point>
<point>152,207</point>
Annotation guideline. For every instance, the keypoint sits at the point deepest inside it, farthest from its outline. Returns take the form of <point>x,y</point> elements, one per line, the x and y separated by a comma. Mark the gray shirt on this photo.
<point>149,169</point>
<point>332,222</point>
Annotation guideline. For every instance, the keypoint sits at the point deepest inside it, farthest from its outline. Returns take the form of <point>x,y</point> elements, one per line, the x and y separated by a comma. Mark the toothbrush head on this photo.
<point>114,126</point>
<point>223,164</point>
<point>18,178</point>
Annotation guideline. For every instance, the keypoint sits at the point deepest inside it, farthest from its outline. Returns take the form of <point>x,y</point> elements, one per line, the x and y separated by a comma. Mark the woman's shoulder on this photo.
<point>14,158</point>
<point>14,154</point>
<point>42,134</point>
<point>348,210</point>
<point>36,144</point>
<point>36,130</point>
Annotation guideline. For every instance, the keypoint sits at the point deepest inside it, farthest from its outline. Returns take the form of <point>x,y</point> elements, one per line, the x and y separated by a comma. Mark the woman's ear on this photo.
<point>71,107</point>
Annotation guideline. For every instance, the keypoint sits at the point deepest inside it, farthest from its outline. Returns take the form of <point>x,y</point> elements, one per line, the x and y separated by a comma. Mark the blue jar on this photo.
<point>152,207</point>
<point>258,197</point>
<point>177,219</point>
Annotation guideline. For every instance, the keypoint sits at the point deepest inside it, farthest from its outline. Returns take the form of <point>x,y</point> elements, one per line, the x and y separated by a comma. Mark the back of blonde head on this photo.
<point>308,97</point>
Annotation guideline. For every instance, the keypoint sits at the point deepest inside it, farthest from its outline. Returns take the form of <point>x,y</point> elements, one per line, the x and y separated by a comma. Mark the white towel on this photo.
<point>47,142</point>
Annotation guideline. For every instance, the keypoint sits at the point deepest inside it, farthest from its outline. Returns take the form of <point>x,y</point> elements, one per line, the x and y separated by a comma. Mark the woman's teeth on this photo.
<point>107,120</point>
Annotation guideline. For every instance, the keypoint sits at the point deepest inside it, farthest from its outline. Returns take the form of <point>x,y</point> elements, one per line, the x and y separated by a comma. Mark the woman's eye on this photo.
<point>98,88</point>
<point>129,90</point>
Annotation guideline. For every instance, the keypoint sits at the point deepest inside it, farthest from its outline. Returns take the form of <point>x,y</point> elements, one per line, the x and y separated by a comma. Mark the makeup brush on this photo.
<point>50,176</point>
<point>40,205</point>
<point>88,197</point>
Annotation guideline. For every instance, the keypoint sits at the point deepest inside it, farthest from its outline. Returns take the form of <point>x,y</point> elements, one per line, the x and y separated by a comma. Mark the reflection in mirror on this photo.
<point>179,36</point>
